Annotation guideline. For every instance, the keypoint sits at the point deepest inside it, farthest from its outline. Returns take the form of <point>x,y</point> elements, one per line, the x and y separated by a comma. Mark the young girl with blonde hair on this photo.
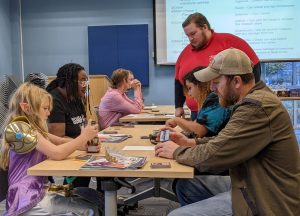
<point>26,142</point>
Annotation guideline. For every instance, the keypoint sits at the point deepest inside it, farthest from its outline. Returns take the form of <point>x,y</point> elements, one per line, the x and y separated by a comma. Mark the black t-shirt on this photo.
<point>72,113</point>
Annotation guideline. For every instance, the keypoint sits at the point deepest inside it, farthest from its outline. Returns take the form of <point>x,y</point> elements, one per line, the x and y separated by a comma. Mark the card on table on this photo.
<point>160,165</point>
<point>110,132</point>
<point>128,126</point>
<point>83,157</point>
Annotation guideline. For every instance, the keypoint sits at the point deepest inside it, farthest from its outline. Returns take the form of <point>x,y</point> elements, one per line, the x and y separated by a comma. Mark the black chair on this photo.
<point>38,79</point>
<point>8,85</point>
<point>4,184</point>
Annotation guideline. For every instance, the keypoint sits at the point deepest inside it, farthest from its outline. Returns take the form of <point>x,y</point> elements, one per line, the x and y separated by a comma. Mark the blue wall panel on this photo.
<point>103,49</point>
<point>124,46</point>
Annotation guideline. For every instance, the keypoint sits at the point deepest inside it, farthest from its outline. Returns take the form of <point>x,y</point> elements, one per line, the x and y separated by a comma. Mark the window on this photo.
<point>285,75</point>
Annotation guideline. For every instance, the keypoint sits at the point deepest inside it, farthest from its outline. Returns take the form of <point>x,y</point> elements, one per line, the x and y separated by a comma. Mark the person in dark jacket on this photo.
<point>258,145</point>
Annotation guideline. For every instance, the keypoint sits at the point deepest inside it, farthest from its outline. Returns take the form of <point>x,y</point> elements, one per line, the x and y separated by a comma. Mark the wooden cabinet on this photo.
<point>98,87</point>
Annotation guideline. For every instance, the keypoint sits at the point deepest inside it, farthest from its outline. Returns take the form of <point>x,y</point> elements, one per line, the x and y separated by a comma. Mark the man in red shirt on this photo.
<point>204,44</point>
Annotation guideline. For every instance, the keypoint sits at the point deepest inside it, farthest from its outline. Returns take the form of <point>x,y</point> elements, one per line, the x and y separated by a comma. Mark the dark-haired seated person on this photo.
<point>69,113</point>
<point>211,117</point>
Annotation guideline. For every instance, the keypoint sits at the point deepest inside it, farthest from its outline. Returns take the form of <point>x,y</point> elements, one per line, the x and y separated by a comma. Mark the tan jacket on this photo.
<point>259,147</point>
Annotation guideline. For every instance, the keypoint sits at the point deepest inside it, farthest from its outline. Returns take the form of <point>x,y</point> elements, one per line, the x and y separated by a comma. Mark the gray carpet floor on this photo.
<point>151,206</point>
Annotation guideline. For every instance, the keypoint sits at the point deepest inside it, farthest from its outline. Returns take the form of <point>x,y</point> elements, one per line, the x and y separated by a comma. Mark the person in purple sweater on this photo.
<point>115,103</point>
<point>26,142</point>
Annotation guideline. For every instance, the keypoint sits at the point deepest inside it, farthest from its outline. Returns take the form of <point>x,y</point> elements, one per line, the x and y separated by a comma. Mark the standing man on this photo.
<point>258,145</point>
<point>204,44</point>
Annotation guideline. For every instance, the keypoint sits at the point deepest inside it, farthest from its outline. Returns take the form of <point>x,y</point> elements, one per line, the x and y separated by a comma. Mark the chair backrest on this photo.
<point>4,185</point>
<point>3,114</point>
<point>96,111</point>
<point>8,85</point>
<point>38,79</point>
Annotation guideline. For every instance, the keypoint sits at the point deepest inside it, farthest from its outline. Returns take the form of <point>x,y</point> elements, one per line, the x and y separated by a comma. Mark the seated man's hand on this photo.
<point>179,139</point>
<point>166,149</point>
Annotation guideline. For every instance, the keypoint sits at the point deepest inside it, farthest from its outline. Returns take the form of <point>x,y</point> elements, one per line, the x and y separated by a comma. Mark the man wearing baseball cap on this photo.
<point>258,145</point>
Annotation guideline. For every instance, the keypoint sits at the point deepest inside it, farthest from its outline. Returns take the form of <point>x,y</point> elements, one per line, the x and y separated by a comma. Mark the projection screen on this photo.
<point>271,27</point>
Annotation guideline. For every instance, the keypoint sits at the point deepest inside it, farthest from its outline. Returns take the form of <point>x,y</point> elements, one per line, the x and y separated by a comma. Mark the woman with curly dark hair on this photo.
<point>211,117</point>
<point>69,112</point>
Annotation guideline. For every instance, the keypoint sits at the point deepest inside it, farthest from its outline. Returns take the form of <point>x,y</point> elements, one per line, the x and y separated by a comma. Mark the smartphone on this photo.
<point>164,135</point>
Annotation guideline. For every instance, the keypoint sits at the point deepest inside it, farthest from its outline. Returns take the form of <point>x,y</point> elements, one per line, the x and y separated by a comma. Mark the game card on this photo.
<point>83,157</point>
<point>160,165</point>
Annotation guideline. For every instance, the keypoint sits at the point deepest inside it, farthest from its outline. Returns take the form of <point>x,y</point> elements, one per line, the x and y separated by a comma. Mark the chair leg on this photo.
<point>155,191</point>
<point>168,195</point>
<point>140,196</point>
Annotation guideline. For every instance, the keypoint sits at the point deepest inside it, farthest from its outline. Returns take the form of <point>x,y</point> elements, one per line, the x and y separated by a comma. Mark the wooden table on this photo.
<point>71,167</point>
<point>159,113</point>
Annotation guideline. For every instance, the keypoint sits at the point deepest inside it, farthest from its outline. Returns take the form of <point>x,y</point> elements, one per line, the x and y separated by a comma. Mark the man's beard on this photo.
<point>203,43</point>
<point>229,98</point>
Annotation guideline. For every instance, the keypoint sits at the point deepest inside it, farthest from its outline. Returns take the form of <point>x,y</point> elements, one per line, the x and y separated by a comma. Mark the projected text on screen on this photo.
<point>269,26</point>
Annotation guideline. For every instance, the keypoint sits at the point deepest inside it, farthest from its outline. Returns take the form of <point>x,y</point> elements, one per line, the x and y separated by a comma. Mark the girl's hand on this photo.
<point>89,131</point>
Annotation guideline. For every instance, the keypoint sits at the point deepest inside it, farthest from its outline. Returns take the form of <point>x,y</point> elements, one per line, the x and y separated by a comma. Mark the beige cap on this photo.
<point>228,62</point>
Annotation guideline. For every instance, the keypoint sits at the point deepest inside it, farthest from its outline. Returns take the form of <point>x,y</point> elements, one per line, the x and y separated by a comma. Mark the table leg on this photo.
<point>110,198</point>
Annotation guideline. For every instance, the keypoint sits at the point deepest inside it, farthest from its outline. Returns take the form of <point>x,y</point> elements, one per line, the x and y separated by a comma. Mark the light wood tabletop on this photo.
<point>160,113</point>
<point>71,167</point>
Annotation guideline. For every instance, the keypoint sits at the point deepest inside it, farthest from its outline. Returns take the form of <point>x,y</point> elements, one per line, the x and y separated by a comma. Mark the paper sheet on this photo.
<point>170,115</point>
<point>131,115</point>
<point>150,107</point>
<point>138,148</point>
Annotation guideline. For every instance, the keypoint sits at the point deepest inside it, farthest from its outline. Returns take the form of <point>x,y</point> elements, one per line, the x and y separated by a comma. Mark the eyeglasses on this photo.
<point>84,83</point>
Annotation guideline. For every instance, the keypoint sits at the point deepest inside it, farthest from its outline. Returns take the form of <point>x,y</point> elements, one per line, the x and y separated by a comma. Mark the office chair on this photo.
<point>4,185</point>
<point>38,79</point>
<point>116,182</point>
<point>8,85</point>
<point>95,109</point>
<point>3,113</point>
